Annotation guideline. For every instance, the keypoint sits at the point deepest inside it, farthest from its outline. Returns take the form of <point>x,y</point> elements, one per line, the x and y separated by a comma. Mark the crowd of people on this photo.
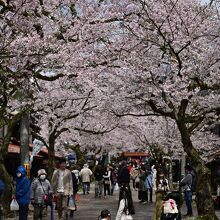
<point>64,185</point>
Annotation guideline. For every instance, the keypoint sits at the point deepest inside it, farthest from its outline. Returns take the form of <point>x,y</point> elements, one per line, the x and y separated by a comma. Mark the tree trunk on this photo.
<point>8,186</point>
<point>3,172</point>
<point>24,138</point>
<point>183,163</point>
<point>204,201</point>
<point>51,157</point>
<point>170,175</point>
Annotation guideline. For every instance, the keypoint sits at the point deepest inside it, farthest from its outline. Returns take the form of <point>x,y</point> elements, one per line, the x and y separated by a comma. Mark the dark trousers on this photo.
<point>98,188</point>
<point>112,188</point>
<point>23,212</point>
<point>151,192</point>
<point>40,211</point>
<point>86,187</point>
<point>106,188</point>
<point>188,198</point>
<point>133,183</point>
<point>62,205</point>
<point>142,195</point>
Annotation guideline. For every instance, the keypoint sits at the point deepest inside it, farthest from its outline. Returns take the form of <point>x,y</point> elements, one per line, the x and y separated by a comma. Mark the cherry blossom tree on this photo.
<point>156,58</point>
<point>38,40</point>
<point>167,53</point>
<point>58,109</point>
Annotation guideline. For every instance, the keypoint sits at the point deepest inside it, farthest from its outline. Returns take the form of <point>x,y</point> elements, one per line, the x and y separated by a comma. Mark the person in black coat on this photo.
<point>123,175</point>
<point>75,190</point>
<point>99,172</point>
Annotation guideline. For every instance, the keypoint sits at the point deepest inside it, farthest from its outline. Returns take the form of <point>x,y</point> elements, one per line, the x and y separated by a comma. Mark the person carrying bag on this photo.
<point>41,195</point>
<point>125,206</point>
<point>14,205</point>
<point>22,192</point>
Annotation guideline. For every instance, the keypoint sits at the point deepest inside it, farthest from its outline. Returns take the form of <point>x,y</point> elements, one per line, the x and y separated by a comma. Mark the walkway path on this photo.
<point>90,207</point>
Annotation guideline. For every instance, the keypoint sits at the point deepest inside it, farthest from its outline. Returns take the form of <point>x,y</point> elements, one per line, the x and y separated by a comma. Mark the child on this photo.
<point>105,215</point>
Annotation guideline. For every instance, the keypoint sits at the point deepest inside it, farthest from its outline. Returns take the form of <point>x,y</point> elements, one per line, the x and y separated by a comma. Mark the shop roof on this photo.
<point>15,149</point>
<point>135,154</point>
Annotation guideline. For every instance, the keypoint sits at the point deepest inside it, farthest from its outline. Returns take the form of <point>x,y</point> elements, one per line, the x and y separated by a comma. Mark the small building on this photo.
<point>135,156</point>
<point>12,161</point>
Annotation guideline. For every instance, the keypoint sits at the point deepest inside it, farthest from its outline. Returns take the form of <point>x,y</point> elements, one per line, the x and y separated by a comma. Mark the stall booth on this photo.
<point>135,156</point>
<point>12,161</point>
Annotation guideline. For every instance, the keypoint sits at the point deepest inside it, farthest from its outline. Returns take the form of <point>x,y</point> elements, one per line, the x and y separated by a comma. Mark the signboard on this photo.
<point>27,167</point>
<point>37,146</point>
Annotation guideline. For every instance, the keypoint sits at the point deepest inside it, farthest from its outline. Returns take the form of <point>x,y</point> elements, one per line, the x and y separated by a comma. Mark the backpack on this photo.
<point>2,186</point>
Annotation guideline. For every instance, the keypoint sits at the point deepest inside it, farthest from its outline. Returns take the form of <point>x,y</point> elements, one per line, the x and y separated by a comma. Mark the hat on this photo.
<point>41,172</point>
<point>85,165</point>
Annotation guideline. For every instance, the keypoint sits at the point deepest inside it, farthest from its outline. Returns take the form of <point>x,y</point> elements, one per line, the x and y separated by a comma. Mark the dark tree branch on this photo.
<point>134,114</point>
<point>90,131</point>
<point>160,111</point>
<point>87,99</point>
<point>182,109</point>
<point>195,124</point>
<point>204,86</point>
<point>59,132</point>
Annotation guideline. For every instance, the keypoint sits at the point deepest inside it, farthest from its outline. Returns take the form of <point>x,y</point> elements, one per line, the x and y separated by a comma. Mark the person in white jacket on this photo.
<point>107,181</point>
<point>85,175</point>
<point>154,180</point>
<point>126,207</point>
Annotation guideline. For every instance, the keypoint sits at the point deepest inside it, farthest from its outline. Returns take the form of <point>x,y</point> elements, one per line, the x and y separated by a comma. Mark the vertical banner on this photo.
<point>37,146</point>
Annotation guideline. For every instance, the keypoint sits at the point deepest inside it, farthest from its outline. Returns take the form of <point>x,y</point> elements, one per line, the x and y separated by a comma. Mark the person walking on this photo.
<point>107,181</point>
<point>40,192</point>
<point>149,185</point>
<point>134,173</point>
<point>142,190</point>
<point>75,170</point>
<point>85,175</point>
<point>22,193</point>
<point>62,186</point>
<point>154,177</point>
<point>113,179</point>
<point>137,179</point>
<point>123,174</point>
<point>125,204</point>
<point>186,182</point>
<point>75,190</point>
<point>99,180</point>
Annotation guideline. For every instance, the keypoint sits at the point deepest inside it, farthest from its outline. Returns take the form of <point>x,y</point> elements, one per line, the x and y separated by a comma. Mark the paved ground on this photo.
<point>90,208</point>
